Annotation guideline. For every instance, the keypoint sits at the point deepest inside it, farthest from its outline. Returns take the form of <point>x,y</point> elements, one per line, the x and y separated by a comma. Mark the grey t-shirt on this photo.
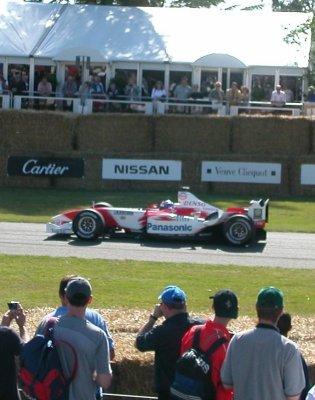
<point>261,364</point>
<point>91,347</point>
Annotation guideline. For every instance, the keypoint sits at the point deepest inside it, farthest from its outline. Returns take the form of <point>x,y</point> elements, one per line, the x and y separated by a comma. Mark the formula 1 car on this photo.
<point>189,217</point>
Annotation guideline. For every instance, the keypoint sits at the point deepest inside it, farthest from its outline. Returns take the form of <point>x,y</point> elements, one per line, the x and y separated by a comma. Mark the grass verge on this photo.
<point>131,284</point>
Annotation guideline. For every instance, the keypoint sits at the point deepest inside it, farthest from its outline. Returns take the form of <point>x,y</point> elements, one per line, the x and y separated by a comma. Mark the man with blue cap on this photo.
<point>165,339</point>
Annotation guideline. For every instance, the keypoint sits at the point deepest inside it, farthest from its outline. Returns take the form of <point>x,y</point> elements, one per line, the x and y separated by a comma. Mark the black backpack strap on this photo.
<point>215,345</point>
<point>196,338</point>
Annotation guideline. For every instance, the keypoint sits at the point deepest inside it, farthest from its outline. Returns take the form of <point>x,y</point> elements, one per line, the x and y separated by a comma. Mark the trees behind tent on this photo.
<point>140,3</point>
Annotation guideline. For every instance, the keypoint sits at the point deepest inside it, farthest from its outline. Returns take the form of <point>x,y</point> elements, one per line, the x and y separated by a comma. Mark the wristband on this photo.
<point>153,317</point>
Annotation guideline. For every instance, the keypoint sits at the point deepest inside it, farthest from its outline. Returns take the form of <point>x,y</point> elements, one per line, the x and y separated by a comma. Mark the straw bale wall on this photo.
<point>190,139</point>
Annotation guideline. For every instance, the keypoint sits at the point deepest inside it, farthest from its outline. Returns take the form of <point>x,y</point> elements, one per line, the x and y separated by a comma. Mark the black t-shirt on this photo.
<point>10,346</point>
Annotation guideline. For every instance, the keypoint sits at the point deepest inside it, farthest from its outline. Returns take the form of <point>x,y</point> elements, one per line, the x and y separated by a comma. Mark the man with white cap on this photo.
<point>225,307</point>
<point>89,342</point>
<point>165,339</point>
<point>262,364</point>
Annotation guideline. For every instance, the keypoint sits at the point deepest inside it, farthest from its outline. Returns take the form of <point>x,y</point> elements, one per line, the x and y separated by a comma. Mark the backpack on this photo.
<point>41,376</point>
<point>193,372</point>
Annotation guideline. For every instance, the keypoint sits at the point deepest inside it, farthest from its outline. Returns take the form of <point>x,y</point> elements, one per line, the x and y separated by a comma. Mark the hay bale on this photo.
<point>134,370</point>
<point>271,135</point>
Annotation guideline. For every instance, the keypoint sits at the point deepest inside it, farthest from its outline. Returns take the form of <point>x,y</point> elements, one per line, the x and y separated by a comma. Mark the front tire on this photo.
<point>239,230</point>
<point>102,204</point>
<point>88,224</point>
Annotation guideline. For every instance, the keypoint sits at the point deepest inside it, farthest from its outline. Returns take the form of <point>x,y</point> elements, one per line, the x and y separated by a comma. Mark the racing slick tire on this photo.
<point>239,230</point>
<point>102,204</point>
<point>88,224</point>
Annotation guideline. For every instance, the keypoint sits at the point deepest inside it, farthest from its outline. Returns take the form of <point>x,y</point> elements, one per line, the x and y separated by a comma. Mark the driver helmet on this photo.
<point>166,204</point>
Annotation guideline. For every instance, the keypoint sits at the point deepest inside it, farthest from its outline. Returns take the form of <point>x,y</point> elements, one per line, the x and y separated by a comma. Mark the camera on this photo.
<point>13,305</point>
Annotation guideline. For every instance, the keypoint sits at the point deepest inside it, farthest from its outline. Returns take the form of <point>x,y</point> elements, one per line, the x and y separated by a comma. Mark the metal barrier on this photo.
<point>266,108</point>
<point>130,396</point>
<point>5,101</point>
<point>82,105</point>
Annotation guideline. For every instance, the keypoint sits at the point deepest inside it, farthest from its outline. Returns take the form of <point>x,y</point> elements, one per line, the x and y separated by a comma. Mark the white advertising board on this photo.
<point>308,174</point>
<point>245,172</point>
<point>146,170</point>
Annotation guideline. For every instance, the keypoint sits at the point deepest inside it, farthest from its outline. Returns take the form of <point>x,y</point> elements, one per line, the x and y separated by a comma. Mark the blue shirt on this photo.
<point>92,316</point>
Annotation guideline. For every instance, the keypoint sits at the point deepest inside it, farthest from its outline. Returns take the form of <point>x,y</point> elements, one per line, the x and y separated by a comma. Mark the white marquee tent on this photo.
<point>52,33</point>
<point>149,34</point>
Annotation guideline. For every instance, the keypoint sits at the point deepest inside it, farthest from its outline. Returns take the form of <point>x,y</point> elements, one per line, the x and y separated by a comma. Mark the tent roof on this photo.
<point>111,33</point>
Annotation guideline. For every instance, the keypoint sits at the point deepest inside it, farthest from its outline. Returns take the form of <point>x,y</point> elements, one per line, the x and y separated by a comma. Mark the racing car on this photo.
<point>188,217</point>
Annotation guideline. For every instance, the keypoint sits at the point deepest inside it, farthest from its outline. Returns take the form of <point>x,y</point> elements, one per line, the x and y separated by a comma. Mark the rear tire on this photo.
<point>239,230</point>
<point>88,224</point>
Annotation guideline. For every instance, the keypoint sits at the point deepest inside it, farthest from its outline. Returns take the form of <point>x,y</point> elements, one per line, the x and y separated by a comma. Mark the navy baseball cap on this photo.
<point>225,304</point>
<point>78,286</point>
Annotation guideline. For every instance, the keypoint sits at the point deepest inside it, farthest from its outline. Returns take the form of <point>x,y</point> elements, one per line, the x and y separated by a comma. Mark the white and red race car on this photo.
<point>189,217</point>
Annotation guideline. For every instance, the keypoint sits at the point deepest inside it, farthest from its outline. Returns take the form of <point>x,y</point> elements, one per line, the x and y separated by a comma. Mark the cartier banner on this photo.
<point>47,167</point>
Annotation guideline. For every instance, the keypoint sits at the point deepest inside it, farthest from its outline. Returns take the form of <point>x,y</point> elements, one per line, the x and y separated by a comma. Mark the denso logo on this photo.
<point>169,228</point>
<point>192,203</point>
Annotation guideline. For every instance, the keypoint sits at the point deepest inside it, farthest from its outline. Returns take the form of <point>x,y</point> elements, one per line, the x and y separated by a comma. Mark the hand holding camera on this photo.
<point>15,312</point>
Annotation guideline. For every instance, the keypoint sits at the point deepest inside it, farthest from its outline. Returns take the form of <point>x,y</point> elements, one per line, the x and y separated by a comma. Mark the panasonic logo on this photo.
<point>169,228</point>
<point>142,169</point>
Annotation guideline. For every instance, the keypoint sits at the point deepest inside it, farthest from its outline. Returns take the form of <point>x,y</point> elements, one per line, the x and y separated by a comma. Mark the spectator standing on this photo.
<point>89,342</point>
<point>112,93</point>
<point>158,94</point>
<point>165,339</point>
<point>278,97</point>
<point>132,92</point>
<point>17,86</point>
<point>217,96</point>
<point>233,95</point>
<point>3,84</point>
<point>69,89</point>
<point>258,93</point>
<point>310,94</point>
<point>225,307</point>
<point>85,92</point>
<point>182,92</point>
<point>260,363</point>
<point>90,315</point>
<point>245,96</point>
<point>284,325</point>
<point>10,347</point>
<point>196,95</point>
<point>44,87</point>
<point>97,88</point>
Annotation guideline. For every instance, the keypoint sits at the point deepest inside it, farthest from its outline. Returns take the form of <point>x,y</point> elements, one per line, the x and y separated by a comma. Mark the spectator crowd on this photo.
<point>261,363</point>
<point>125,94</point>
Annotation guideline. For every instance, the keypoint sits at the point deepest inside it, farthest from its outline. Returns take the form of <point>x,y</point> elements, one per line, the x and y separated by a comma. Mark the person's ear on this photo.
<point>90,300</point>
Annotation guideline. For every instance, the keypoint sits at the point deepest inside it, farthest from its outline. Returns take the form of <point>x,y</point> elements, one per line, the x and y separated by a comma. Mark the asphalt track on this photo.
<point>291,250</point>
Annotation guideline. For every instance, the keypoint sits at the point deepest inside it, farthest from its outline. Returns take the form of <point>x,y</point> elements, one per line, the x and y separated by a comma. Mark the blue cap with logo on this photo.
<point>173,295</point>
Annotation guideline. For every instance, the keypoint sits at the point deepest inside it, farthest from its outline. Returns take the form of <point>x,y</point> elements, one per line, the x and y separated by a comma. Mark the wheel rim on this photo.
<point>238,231</point>
<point>87,225</point>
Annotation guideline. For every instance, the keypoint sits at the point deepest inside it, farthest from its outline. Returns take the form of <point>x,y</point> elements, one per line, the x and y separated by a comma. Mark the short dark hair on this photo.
<point>64,282</point>
<point>78,300</point>
<point>284,323</point>
<point>270,314</point>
